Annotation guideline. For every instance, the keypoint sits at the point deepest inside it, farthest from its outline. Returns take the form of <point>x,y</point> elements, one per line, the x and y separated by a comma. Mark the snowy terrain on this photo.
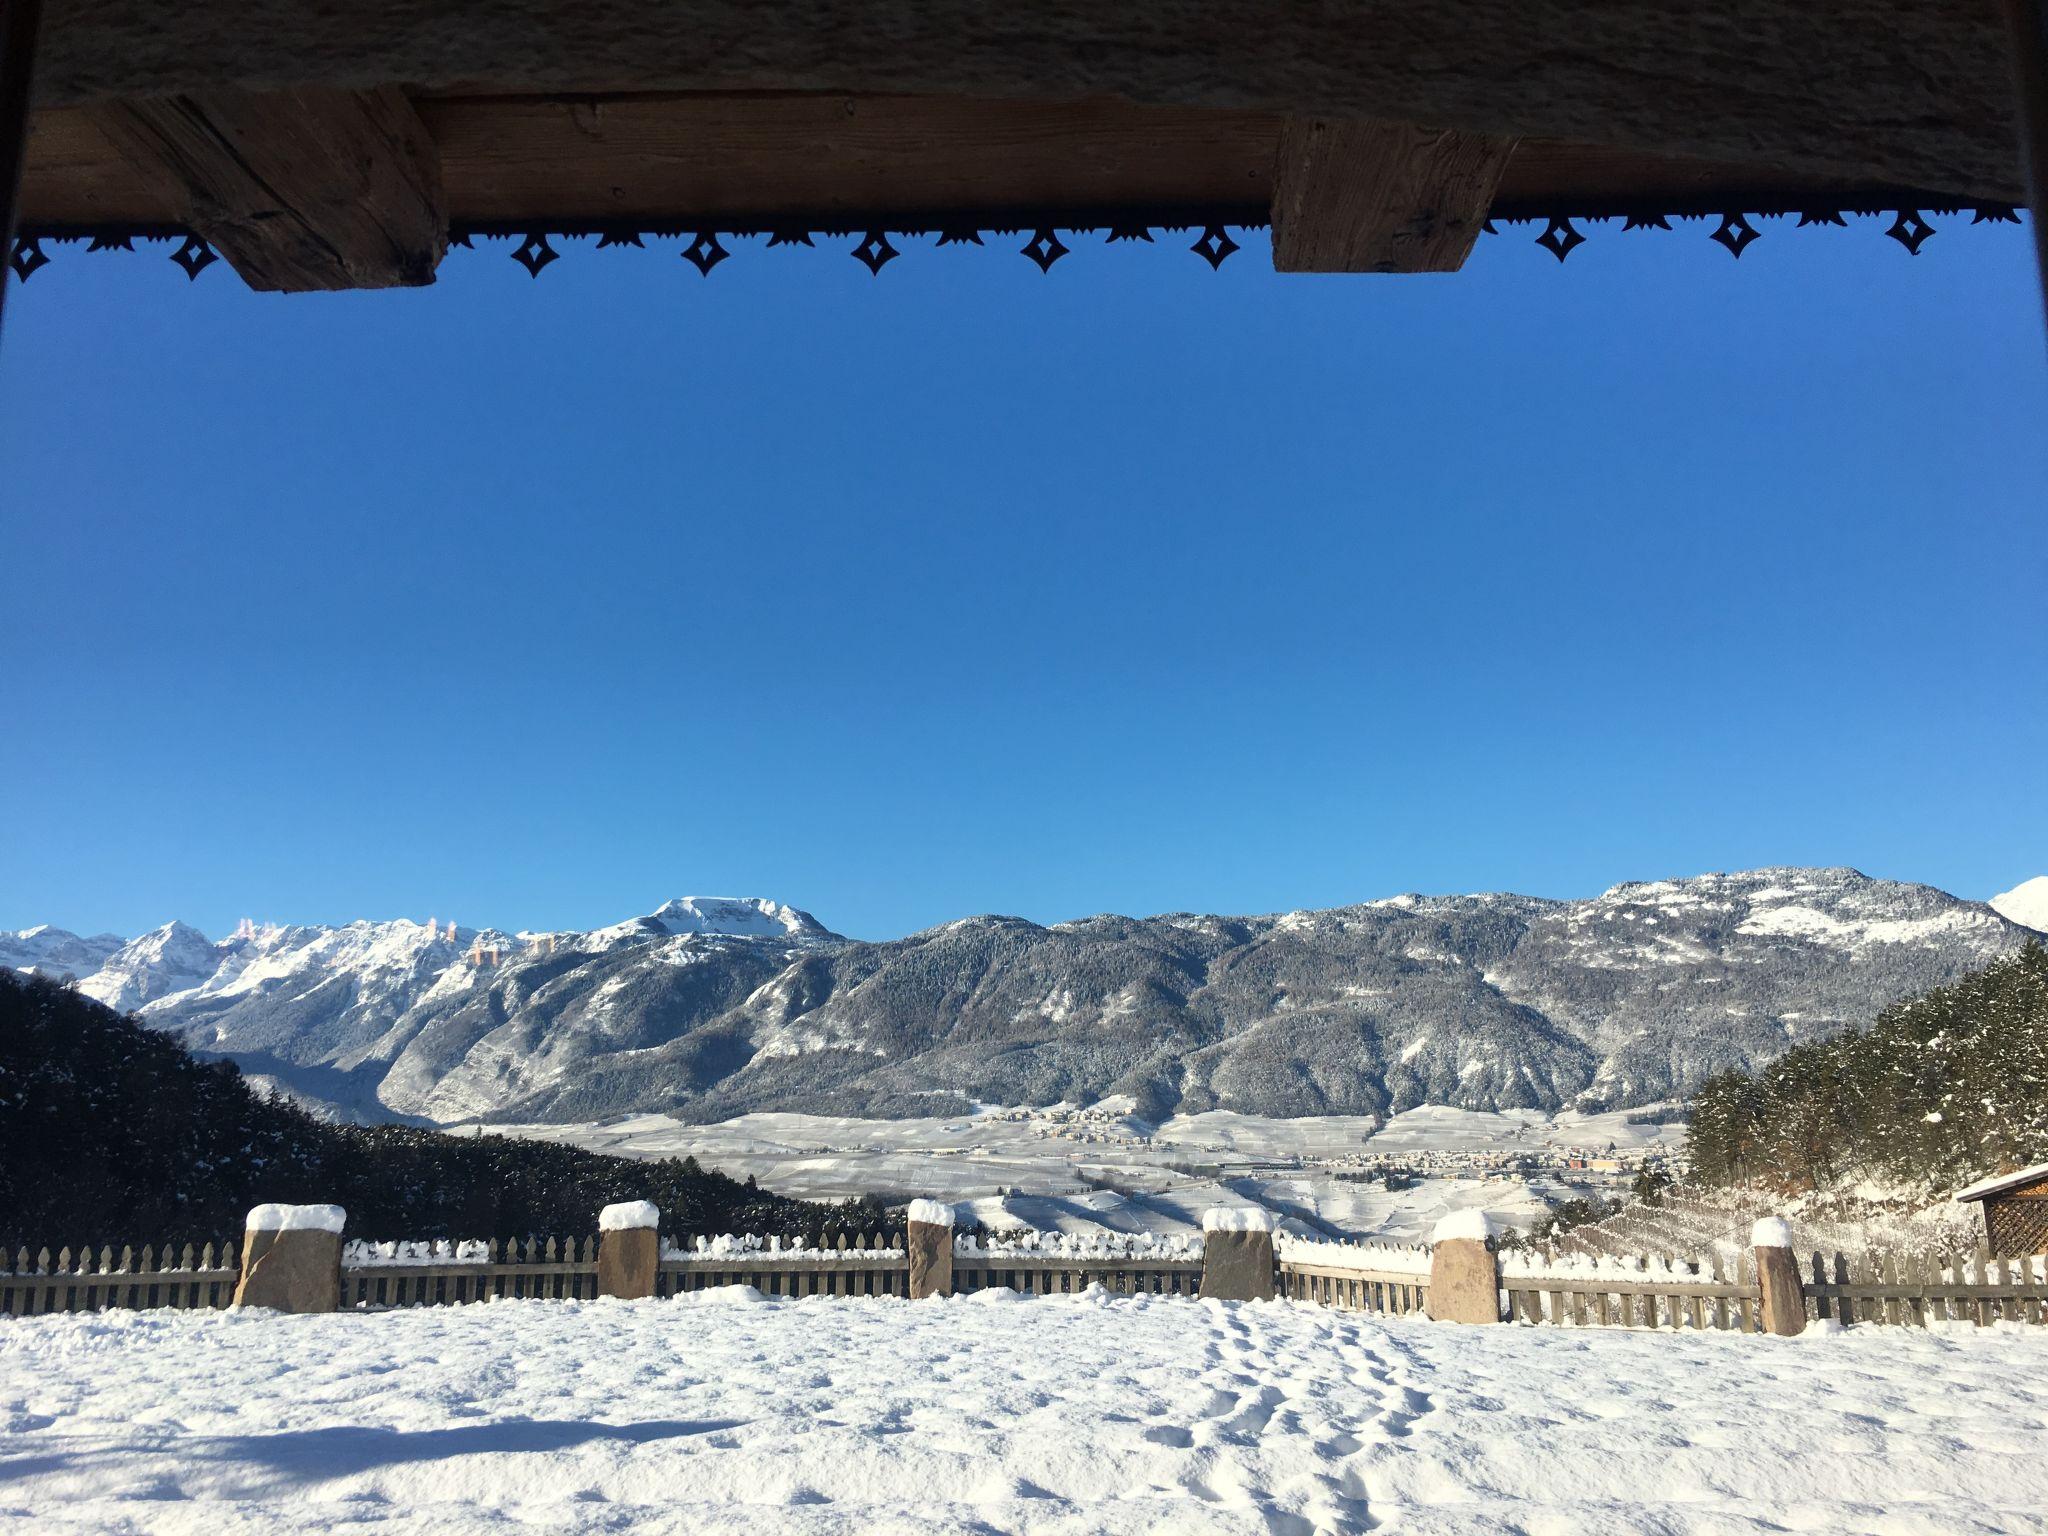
<point>2025,904</point>
<point>56,952</point>
<point>1067,1169</point>
<point>713,1007</point>
<point>726,1412</point>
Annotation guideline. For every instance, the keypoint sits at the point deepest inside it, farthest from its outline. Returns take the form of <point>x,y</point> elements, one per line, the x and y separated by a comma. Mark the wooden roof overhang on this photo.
<point>342,144</point>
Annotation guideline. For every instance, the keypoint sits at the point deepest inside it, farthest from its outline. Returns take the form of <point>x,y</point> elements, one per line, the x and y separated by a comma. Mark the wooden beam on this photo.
<point>299,190</point>
<point>654,157</point>
<point>1898,92</point>
<point>672,159</point>
<point>1381,197</point>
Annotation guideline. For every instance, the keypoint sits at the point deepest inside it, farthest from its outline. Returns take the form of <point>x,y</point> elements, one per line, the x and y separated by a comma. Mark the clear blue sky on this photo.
<point>1132,588</point>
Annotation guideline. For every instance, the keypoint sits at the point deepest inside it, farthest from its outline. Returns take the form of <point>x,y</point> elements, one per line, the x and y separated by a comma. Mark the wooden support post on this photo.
<point>1360,196</point>
<point>1782,1301</point>
<point>2028,22</point>
<point>19,23</point>
<point>299,190</point>
<point>291,1258</point>
<point>1464,1270</point>
<point>628,1249</point>
<point>1237,1255</point>
<point>929,1245</point>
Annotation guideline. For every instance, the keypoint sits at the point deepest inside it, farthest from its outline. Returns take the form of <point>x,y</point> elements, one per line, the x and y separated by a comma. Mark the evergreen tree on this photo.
<point>1939,1091</point>
<point>112,1133</point>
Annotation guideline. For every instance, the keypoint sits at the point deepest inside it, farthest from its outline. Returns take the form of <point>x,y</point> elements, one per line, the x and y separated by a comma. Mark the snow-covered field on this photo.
<point>724,1412</point>
<point>1048,1168</point>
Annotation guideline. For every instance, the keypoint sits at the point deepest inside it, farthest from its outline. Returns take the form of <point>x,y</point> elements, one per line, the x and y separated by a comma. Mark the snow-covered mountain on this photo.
<point>709,1007</point>
<point>744,917</point>
<point>162,963</point>
<point>54,952</point>
<point>2025,904</point>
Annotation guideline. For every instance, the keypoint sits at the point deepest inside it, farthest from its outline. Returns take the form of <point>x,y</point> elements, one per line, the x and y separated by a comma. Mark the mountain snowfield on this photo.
<point>2025,904</point>
<point>710,1007</point>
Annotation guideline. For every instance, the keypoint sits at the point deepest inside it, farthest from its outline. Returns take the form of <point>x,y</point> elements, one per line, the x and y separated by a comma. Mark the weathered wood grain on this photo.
<point>735,158</point>
<point>1862,90</point>
<point>1354,196</point>
<point>741,156</point>
<point>299,190</point>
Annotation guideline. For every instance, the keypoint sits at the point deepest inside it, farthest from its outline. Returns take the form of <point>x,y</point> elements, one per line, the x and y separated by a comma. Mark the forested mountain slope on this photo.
<point>112,1133</point>
<point>710,1007</point>
<point>1937,1092</point>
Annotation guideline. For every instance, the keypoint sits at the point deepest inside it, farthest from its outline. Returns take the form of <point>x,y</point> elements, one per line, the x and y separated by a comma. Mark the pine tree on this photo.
<point>114,1132</point>
<point>1938,1091</point>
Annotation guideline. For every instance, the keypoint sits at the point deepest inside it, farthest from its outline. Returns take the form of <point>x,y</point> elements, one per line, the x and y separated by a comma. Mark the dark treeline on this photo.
<point>1939,1091</point>
<point>114,1133</point>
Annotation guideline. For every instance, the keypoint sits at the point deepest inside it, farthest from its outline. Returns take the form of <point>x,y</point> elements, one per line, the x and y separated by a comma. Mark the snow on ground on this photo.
<point>725,1412</point>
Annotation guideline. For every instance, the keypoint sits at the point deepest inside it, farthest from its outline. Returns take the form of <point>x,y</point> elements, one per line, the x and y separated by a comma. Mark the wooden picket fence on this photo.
<point>1709,1294</point>
<point>556,1269</point>
<point>1914,1289</point>
<point>1715,1294</point>
<point>870,1264</point>
<point>1398,1293</point>
<point>90,1282</point>
<point>1063,1274</point>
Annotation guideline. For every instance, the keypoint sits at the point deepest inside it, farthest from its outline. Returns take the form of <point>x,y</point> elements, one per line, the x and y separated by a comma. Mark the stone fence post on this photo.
<point>930,1245</point>
<point>628,1249</point>
<point>1464,1270</point>
<point>291,1258</point>
<point>1237,1255</point>
<point>1777,1277</point>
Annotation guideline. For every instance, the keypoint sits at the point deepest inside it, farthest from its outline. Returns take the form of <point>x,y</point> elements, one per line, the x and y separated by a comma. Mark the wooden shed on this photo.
<point>2015,1211</point>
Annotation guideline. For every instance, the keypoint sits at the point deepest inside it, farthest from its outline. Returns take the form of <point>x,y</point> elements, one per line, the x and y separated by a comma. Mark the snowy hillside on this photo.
<point>713,1007</point>
<point>2025,904</point>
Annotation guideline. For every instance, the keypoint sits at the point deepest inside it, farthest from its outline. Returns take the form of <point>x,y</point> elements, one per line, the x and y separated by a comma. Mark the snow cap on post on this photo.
<point>1464,1269</point>
<point>1781,1296</point>
<point>1474,1226</point>
<point>291,1258</point>
<point>1237,1254</point>
<point>295,1218</point>
<point>928,1245</point>
<point>1771,1232</point>
<point>628,1215</point>
<point>1236,1219</point>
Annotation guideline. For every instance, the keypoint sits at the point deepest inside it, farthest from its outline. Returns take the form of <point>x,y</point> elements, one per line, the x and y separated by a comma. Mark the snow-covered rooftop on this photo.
<point>2003,1181</point>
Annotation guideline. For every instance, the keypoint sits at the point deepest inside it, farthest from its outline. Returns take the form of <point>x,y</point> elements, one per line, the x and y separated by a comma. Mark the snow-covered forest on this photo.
<point>1938,1091</point>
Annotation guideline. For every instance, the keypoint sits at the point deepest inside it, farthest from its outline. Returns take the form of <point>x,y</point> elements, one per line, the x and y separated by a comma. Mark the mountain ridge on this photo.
<point>709,1007</point>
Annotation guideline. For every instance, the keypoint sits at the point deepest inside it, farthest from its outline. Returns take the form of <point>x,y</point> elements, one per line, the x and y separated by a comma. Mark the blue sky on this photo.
<point>1131,588</point>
